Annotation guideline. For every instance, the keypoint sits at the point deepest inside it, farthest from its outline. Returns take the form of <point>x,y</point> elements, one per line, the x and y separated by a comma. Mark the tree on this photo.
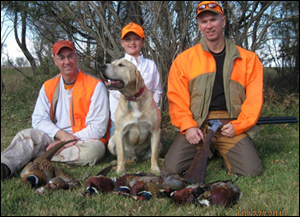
<point>286,33</point>
<point>5,31</point>
<point>170,28</point>
<point>21,62</point>
<point>19,12</point>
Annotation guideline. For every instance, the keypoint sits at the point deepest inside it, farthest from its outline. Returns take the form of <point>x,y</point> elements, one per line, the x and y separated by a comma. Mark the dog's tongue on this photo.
<point>113,83</point>
<point>108,82</point>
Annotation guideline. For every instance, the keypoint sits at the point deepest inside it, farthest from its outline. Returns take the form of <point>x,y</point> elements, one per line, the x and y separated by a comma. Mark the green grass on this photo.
<point>276,190</point>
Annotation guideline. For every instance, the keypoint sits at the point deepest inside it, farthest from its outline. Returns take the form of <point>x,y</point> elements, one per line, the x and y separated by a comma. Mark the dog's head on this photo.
<point>122,75</point>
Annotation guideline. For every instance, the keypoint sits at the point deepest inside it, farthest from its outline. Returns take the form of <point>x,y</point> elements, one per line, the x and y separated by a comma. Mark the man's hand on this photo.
<point>62,136</point>
<point>228,130</point>
<point>194,135</point>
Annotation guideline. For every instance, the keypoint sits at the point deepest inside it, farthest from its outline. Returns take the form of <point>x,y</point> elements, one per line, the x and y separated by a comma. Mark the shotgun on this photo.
<point>196,171</point>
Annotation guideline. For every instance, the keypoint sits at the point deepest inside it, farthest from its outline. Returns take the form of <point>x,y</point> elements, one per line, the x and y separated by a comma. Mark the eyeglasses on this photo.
<point>63,58</point>
<point>210,5</point>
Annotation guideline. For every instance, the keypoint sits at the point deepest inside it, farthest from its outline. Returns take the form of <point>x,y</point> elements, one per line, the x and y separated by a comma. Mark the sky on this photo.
<point>12,48</point>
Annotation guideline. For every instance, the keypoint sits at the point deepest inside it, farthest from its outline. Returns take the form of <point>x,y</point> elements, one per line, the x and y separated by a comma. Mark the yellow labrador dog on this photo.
<point>137,118</point>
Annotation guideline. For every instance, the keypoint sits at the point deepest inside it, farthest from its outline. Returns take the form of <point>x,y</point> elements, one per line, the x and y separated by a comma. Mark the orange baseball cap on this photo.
<point>133,27</point>
<point>60,44</point>
<point>209,6</point>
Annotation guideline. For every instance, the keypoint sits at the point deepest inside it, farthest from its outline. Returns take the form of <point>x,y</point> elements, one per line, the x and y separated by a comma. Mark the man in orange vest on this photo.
<point>72,105</point>
<point>215,79</point>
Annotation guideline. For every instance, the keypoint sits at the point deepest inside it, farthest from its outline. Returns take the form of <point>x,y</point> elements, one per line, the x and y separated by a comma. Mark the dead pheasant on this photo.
<point>222,193</point>
<point>62,181</point>
<point>147,183</point>
<point>99,183</point>
<point>40,171</point>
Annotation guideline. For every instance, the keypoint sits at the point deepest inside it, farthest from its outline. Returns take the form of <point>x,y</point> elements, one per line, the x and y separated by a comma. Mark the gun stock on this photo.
<point>196,171</point>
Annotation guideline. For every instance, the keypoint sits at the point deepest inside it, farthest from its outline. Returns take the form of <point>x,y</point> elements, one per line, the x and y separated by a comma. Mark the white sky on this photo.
<point>11,48</point>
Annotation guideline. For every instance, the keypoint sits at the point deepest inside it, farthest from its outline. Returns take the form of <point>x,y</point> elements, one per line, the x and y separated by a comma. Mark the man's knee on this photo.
<point>247,169</point>
<point>173,165</point>
<point>87,153</point>
<point>180,155</point>
<point>243,159</point>
<point>254,170</point>
<point>172,168</point>
<point>92,154</point>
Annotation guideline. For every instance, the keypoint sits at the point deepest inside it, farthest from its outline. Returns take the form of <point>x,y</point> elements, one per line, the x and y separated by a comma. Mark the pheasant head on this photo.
<point>98,184</point>
<point>143,195</point>
<point>37,174</point>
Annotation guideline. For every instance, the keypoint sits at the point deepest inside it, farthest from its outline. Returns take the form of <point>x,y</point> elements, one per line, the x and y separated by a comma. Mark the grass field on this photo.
<point>276,192</point>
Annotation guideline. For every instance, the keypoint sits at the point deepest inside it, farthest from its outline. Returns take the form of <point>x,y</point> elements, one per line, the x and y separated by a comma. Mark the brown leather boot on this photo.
<point>5,172</point>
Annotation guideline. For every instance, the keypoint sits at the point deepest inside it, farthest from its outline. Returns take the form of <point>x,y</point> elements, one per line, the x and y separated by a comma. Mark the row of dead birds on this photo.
<point>43,176</point>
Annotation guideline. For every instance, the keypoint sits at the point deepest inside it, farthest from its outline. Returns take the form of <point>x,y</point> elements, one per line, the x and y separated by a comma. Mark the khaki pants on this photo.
<point>239,154</point>
<point>30,143</point>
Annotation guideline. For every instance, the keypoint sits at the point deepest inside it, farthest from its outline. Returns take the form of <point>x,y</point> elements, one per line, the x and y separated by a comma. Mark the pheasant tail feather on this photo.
<point>50,153</point>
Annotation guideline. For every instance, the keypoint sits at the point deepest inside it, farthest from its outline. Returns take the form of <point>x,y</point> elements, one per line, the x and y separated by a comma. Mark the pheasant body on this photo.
<point>41,171</point>
<point>222,193</point>
<point>98,184</point>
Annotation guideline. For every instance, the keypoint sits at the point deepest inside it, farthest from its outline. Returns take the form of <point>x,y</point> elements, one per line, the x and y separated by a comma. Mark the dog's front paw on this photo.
<point>155,170</point>
<point>120,169</point>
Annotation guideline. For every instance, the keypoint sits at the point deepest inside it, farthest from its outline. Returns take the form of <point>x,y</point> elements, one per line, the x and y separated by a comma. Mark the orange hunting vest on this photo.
<point>81,97</point>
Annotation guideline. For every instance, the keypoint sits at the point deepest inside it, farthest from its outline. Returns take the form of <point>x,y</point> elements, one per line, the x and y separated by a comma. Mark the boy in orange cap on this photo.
<point>133,40</point>
<point>215,79</point>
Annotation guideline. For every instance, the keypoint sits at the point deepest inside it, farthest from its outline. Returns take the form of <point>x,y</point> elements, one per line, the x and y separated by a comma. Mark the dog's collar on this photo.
<point>133,98</point>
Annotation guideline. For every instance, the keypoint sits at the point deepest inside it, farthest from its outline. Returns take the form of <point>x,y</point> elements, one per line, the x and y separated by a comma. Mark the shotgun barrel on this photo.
<point>265,120</point>
<point>277,120</point>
